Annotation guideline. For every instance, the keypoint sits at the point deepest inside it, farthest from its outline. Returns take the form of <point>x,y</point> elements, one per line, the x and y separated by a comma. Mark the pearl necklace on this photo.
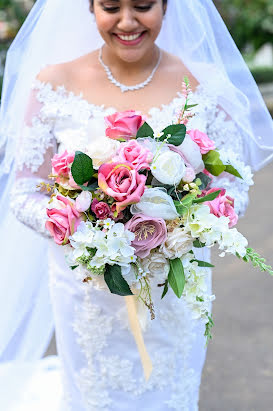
<point>123,87</point>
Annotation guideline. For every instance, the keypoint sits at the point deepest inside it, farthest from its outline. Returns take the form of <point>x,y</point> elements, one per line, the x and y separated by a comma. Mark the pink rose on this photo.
<point>61,163</point>
<point>100,209</point>
<point>122,182</point>
<point>135,154</point>
<point>149,233</point>
<point>72,182</point>
<point>222,206</point>
<point>124,124</point>
<point>63,222</point>
<point>203,141</point>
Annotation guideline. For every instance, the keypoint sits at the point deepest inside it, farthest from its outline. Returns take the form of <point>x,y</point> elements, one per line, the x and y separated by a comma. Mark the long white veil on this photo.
<point>61,30</point>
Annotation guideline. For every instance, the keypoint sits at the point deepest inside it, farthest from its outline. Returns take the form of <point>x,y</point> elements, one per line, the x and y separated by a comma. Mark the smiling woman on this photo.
<point>129,27</point>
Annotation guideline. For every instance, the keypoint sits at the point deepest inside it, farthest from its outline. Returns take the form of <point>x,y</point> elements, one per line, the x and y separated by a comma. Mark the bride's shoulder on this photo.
<point>69,72</point>
<point>174,66</point>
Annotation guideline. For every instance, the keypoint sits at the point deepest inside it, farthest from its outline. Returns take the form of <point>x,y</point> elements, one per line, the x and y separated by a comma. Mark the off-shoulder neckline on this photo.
<point>63,91</point>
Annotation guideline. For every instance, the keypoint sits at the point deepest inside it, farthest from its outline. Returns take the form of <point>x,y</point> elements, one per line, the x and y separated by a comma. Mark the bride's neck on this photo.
<point>125,69</point>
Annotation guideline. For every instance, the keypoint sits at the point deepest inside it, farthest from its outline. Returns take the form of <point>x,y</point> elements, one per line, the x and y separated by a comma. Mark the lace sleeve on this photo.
<point>229,141</point>
<point>34,152</point>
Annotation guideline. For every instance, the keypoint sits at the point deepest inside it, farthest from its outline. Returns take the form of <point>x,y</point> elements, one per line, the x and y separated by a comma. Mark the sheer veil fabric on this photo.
<point>62,30</point>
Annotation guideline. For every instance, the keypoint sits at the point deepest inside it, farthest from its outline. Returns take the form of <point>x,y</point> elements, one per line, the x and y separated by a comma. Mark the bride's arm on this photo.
<point>33,165</point>
<point>229,140</point>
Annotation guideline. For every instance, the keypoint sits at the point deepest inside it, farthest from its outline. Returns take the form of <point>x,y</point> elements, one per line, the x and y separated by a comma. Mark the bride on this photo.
<point>72,64</point>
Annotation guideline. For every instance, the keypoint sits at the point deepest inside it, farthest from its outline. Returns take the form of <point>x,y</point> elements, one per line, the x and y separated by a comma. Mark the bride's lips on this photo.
<point>130,39</point>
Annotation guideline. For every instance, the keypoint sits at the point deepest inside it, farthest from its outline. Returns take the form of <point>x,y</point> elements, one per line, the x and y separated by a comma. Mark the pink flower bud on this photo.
<point>83,201</point>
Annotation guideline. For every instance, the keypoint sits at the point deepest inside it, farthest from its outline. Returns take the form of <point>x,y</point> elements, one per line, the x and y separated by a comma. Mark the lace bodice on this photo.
<point>62,120</point>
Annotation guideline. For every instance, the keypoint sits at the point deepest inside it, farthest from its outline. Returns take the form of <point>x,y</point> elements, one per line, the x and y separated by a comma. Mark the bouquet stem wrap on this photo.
<point>131,302</point>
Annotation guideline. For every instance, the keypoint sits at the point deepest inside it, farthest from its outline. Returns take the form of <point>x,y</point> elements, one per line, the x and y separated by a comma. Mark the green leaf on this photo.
<point>145,131</point>
<point>184,205</point>
<point>191,106</point>
<point>231,170</point>
<point>203,264</point>
<point>91,187</point>
<point>198,244</point>
<point>204,179</point>
<point>213,163</point>
<point>115,281</point>
<point>74,267</point>
<point>176,277</point>
<point>177,132</point>
<point>166,289</point>
<point>209,197</point>
<point>171,191</point>
<point>82,168</point>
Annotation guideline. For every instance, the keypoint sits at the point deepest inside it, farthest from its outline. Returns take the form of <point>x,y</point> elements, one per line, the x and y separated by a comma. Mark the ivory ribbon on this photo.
<point>137,333</point>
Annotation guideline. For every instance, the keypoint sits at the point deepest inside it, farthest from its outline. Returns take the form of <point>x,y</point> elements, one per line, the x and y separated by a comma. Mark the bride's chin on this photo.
<point>131,55</point>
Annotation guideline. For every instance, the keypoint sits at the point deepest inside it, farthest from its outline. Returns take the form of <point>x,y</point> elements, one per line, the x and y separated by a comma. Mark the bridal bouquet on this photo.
<point>132,212</point>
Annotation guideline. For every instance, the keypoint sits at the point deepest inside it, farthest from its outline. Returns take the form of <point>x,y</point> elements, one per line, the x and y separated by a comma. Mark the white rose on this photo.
<point>83,201</point>
<point>156,265</point>
<point>155,202</point>
<point>192,154</point>
<point>102,150</point>
<point>168,167</point>
<point>178,243</point>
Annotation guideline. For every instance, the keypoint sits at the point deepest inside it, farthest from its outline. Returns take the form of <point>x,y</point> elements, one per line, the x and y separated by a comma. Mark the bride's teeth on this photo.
<point>130,38</point>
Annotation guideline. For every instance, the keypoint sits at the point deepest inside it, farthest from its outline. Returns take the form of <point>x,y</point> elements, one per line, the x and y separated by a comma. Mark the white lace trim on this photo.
<point>34,143</point>
<point>28,205</point>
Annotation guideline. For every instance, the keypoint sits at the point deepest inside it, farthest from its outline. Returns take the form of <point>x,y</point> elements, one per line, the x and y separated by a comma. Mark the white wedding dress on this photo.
<point>101,368</point>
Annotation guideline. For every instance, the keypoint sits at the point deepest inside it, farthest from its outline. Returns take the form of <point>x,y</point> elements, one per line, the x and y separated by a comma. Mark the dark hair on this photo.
<point>92,2</point>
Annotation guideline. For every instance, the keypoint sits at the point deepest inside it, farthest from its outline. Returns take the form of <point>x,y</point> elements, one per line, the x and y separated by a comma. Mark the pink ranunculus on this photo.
<point>222,206</point>
<point>136,154</point>
<point>203,141</point>
<point>124,124</point>
<point>61,163</point>
<point>100,209</point>
<point>63,222</point>
<point>122,182</point>
<point>149,233</point>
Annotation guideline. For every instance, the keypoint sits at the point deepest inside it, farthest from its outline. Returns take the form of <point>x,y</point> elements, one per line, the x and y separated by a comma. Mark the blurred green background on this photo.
<point>249,21</point>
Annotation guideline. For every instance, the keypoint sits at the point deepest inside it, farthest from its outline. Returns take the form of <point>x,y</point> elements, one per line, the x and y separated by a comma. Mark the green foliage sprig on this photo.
<point>257,261</point>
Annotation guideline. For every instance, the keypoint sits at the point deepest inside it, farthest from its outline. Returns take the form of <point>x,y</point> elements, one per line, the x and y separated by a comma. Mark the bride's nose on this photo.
<point>127,20</point>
